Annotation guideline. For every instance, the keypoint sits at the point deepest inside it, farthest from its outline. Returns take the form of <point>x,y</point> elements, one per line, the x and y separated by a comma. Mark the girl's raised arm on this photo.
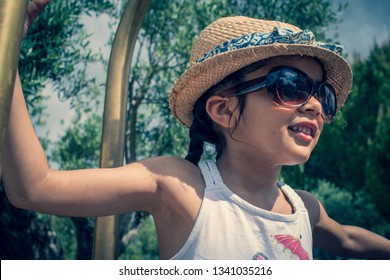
<point>30,183</point>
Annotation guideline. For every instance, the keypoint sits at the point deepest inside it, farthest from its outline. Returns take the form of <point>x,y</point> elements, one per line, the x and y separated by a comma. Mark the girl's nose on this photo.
<point>312,107</point>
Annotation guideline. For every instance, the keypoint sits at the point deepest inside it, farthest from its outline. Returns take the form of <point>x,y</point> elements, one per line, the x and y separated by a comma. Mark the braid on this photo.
<point>195,149</point>
<point>201,130</point>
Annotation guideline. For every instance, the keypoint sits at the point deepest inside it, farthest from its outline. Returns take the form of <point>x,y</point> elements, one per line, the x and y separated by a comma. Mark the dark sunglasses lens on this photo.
<point>292,87</point>
<point>327,98</point>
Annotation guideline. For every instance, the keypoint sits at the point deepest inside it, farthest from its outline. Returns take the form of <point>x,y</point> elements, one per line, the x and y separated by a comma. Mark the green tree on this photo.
<point>369,115</point>
<point>142,242</point>
<point>349,208</point>
<point>57,50</point>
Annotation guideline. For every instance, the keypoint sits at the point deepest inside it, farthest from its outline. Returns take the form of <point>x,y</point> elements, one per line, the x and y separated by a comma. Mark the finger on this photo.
<point>35,7</point>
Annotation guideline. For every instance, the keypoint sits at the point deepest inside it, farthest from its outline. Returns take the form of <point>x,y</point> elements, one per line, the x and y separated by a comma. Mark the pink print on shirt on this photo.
<point>293,244</point>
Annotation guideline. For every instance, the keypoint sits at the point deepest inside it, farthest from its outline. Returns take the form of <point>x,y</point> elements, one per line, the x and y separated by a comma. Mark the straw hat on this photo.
<point>232,43</point>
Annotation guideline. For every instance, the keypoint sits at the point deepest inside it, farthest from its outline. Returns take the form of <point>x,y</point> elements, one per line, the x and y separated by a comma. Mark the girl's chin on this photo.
<point>298,159</point>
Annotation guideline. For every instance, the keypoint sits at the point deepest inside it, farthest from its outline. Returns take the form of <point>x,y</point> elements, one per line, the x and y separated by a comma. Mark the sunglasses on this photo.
<point>290,87</point>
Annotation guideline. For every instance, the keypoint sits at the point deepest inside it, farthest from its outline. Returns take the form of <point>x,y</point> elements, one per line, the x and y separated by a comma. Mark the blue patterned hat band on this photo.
<point>278,35</point>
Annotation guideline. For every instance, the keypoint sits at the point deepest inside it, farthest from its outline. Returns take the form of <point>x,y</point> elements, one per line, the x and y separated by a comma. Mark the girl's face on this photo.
<point>276,134</point>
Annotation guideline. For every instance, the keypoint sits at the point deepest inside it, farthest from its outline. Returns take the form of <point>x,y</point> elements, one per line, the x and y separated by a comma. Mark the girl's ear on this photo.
<point>222,110</point>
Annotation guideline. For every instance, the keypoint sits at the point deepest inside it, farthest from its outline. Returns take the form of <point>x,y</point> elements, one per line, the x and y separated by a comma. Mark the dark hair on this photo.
<point>202,128</point>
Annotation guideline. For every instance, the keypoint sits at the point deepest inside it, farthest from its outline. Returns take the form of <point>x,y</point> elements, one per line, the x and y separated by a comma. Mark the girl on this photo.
<point>260,91</point>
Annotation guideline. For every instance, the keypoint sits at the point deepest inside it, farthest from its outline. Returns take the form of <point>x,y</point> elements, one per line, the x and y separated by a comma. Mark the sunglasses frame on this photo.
<point>270,81</point>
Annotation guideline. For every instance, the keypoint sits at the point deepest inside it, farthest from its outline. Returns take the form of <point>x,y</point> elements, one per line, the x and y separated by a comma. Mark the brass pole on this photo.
<point>114,118</point>
<point>12,14</point>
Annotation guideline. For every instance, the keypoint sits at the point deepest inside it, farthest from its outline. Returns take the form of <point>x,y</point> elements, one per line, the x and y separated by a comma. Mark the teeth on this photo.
<point>302,129</point>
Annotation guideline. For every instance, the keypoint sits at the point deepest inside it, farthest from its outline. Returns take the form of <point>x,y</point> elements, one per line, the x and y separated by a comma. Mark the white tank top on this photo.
<point>228,227</point>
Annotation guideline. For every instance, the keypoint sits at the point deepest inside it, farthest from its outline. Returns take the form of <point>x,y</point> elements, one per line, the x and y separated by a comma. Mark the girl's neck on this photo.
<point>248,175</point>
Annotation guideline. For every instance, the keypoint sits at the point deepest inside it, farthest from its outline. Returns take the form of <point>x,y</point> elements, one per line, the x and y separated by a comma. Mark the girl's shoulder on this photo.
<point>171,166</point>
<point>175,174</point>
<point>179,197</point>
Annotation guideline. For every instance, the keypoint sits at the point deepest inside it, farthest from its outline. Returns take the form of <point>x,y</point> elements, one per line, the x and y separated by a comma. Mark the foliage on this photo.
<point>57,50</point>
<point>143,245</point>
<point>369,113</point>
<point>24,236</point>
<point>66,233</point>
<point>350,209</point>
<point>79,147</point>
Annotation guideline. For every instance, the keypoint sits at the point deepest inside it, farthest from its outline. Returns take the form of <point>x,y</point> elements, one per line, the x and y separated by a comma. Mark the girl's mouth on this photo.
<point>304,131</point>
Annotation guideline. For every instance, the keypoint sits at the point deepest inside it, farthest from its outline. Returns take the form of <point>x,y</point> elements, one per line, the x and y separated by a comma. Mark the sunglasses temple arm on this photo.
<point>255,87</point>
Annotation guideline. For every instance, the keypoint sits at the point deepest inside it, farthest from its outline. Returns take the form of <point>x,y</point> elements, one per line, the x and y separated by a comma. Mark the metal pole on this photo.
<point>12,14</point>
<point>114,119</point>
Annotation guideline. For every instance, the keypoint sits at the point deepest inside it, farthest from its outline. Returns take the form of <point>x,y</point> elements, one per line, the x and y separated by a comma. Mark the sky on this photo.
<point>364,22</point>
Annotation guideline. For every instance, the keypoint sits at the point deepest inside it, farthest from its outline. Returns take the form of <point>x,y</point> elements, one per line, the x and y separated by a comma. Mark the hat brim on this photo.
<point>200,77</point>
